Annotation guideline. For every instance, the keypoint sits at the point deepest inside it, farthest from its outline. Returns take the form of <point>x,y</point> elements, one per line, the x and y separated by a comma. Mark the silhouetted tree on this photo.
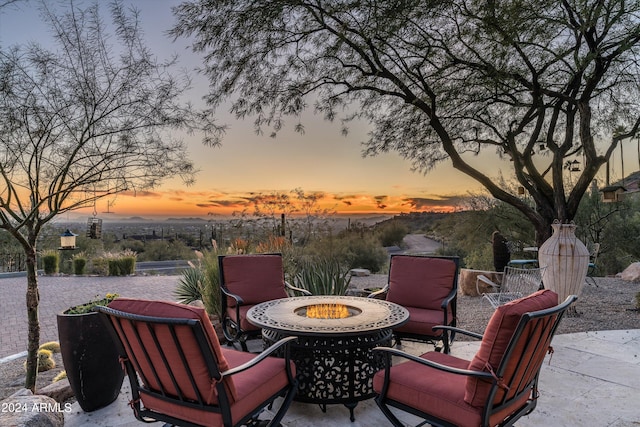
<point>83,121</point>
<point>538,82</point>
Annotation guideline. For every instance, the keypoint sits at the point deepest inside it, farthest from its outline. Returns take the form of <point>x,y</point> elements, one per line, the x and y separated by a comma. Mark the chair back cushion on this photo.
<point>417,281</point>
<point>146,358</point>
<point>255,278</point>
<point>496,339</point>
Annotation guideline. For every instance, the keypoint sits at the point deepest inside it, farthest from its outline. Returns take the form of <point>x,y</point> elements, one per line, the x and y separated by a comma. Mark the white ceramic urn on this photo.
<point>566,260</point>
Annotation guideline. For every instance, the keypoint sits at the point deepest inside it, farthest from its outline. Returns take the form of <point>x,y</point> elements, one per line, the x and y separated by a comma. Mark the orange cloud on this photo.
<point>219,203</point>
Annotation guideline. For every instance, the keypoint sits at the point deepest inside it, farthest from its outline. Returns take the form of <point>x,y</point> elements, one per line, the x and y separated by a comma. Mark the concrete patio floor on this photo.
<point>592,379</point>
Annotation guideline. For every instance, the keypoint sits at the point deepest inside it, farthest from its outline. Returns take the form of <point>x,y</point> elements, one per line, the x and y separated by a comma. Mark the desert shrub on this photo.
<point>163,250</point>
<point>392,233</point>
<point>50,261</point>
<point>354,250</point>
<point>115,264</point>
<point>79,264</point>
<point>480,258</point>
<point>99,266</point>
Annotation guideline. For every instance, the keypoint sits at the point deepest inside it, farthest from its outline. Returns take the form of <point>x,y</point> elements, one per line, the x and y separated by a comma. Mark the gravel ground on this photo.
<point>608,306</point>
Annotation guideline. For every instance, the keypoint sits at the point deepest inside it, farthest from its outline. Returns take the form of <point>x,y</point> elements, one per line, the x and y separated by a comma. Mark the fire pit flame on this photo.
<point>328,311</point>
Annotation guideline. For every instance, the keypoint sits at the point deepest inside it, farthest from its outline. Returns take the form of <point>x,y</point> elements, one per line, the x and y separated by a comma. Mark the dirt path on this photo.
<point>419,243</point>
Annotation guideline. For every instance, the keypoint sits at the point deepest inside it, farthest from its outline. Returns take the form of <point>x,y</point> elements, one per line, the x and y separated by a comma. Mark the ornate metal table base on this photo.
<point>333,357</point>
<point>335,369</point>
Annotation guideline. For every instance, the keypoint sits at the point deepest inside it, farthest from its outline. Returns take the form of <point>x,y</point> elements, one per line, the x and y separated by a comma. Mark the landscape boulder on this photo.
<point>60,391</point>
<point>24,409</point>
<point>631,273</point>
<point>468,278</point>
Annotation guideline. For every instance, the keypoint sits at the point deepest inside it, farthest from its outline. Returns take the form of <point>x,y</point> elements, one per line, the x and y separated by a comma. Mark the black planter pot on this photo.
<point>90,359</point>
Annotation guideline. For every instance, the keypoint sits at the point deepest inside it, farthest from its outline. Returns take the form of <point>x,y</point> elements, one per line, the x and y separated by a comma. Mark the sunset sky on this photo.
<point>247,165</point>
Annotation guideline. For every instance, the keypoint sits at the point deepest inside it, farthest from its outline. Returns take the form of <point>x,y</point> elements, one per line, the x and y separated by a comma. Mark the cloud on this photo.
<point>432,203</point>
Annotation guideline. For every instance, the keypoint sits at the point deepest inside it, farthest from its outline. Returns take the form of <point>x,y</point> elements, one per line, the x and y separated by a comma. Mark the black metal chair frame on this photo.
<point>448,335</point>
<point>114,320</point>
<point>592,268</point>
<point>231,327</point>
<point>544,319</point>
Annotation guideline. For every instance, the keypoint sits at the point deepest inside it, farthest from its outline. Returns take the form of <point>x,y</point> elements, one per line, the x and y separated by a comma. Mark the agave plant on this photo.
<point>322,277</point>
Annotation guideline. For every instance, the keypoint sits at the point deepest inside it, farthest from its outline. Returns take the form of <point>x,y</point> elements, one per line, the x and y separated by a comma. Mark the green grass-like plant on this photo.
<point>50,261</point>
<point>202,282</point>
<point>79,264</point>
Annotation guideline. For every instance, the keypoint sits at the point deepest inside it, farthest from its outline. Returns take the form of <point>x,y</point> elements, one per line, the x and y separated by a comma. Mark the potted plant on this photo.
<point>89,355</point>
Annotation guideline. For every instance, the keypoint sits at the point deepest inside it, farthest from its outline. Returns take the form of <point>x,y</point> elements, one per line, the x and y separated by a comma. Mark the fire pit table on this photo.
<point>333,357</point>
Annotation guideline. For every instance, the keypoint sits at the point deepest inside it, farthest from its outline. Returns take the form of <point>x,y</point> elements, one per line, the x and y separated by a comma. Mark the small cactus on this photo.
<point>45,361</point>
<point>52,346</point>
<point>61,376</point>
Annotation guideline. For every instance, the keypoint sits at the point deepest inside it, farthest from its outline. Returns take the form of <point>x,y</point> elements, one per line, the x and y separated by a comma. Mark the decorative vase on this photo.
<point>566,260</point>
<point>90,358</point>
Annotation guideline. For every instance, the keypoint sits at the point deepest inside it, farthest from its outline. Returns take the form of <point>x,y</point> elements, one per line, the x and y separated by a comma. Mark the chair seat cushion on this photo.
<point>421,321</point>
<point>434,392</point>
<point>496,338</point>
<point>257,384</point>
<point>252,387</point>
<point>430,390</point>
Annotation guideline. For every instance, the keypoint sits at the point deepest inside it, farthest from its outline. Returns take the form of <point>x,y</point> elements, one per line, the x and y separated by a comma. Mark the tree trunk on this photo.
<point>33,301</point>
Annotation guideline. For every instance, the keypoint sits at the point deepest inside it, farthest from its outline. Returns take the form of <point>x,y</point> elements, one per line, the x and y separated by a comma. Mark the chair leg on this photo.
<point>387,412</point>
<point>284,406</point>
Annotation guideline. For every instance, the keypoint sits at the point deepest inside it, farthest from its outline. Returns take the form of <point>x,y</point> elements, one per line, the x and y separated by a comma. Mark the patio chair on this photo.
<point>516,283</point>
<point>247,280</point>
<point>180,374</point>
<point>592,268</point>
<point>427,286</point>
<point>497,387</point>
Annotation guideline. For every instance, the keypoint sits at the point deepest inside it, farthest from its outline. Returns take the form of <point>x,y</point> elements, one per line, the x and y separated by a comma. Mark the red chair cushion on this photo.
<point>421,321</point>
<point>430,390</point>
<point>255,278</point>
<point>420,281</point>
<point>253,387</point>
<point>188,345</point>
<point>496,338</point>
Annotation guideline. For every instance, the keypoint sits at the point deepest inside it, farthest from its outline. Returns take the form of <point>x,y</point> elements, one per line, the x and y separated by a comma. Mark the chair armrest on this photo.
<point>445,368</point>
<point>296,289</point>
<point>458,331</point>
<point>259,358</point>
<point>452,295</point>
<point>380,292</point>
<point>238,298</point>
